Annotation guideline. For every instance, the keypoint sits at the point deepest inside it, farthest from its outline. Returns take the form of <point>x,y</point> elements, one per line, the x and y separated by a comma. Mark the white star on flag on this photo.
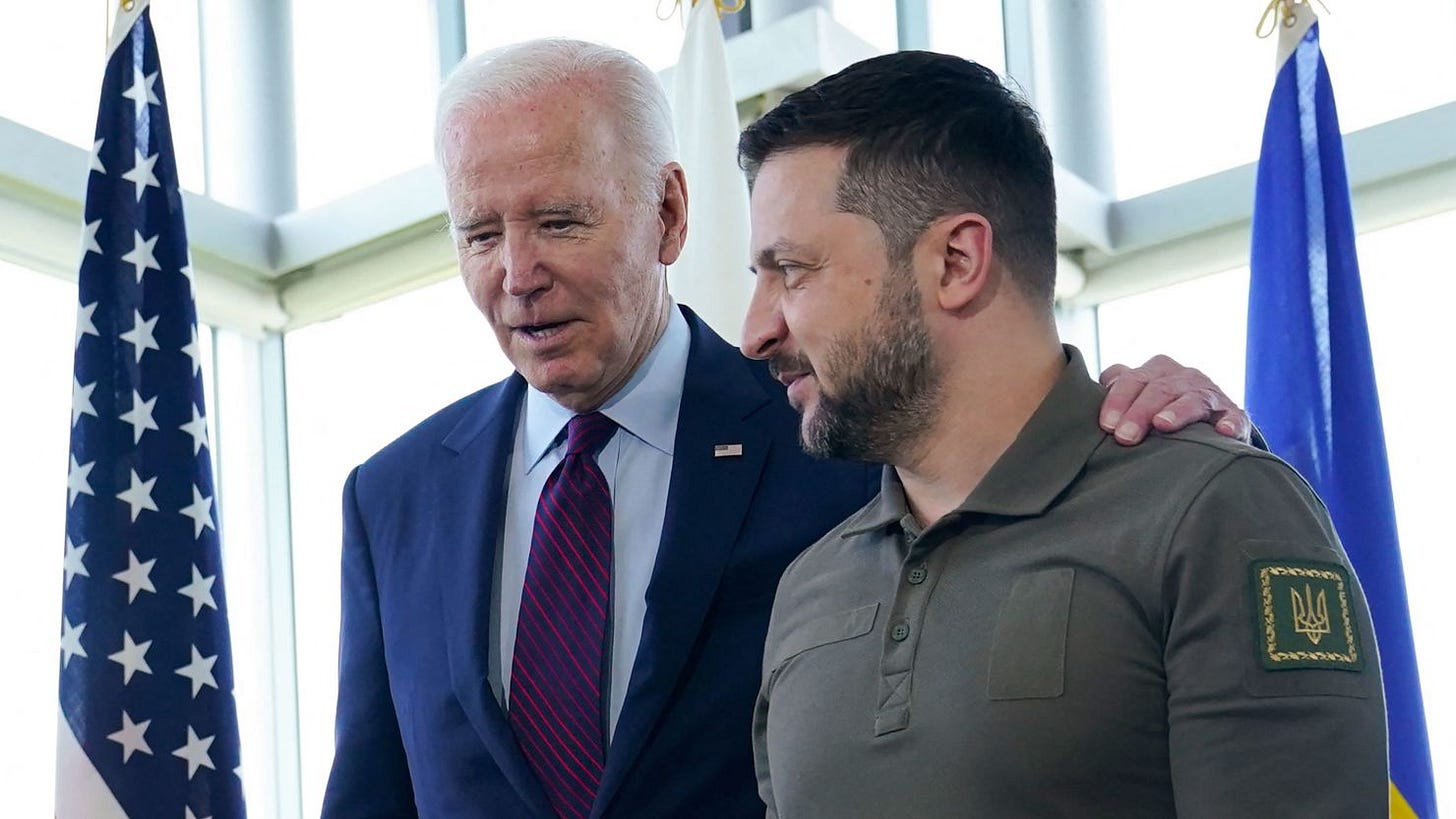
<point>141,256</point>
<point>132,737</point>
<point>96,157</point>
<point>199,671</point>
<point>141,90</point>
<point>200,510</point>
<point>77,482</point>
<point>188,814</point>
<point>200,591</point>
<point>132,657</point>
<point>71,641</point>
<point>73,565</point>
<point>141,174</point>
<point>194,352</point>
<point>85,326</point>
<point>197,428</point>
<point>137,576</point>
<point>81,400</point>
<point>140,416</point>
<point>140,334</point>
<point>88,239</point>
<point>138,495</point>
<point>195,752</point>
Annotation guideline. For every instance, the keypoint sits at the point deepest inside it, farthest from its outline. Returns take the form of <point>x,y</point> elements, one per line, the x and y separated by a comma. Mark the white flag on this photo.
<point>711,276</point>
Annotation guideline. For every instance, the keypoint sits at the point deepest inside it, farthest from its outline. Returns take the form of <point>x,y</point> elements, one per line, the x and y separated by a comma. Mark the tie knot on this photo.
<point>587,434</point>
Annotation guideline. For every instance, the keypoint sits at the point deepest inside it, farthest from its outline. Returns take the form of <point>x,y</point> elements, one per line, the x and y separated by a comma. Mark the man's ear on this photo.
<point>672,212</point>
<point>962,250</point>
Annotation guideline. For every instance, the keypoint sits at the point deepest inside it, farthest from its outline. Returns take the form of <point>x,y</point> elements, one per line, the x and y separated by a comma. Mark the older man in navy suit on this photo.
<point>555,591</point>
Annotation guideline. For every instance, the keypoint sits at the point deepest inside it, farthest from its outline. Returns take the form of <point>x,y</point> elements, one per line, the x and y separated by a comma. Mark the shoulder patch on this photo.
<point>1303,616</point>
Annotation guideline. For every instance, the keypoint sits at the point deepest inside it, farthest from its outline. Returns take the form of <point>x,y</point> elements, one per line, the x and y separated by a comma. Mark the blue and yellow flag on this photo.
<point>1311,381</point>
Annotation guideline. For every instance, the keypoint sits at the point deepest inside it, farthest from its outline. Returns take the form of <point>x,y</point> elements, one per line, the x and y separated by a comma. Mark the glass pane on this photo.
<point>970,29</point>
<point>65,42</point>
<point>38,316</point>
<point>873,20</point>
<point>1200,323</point>
<point>1409,277</point>
<point>1190,82</point>
<point>632,27</point>
<point>363,112</point>
<point>354,384</point>
<point>177,39</point>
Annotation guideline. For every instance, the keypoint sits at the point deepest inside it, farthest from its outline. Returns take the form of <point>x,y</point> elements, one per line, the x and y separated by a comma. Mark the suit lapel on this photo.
<point>472,493</point>
<point>708,497</point>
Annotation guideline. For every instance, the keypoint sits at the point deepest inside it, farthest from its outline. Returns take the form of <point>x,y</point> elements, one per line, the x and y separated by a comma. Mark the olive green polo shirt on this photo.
<point>1097,631</point>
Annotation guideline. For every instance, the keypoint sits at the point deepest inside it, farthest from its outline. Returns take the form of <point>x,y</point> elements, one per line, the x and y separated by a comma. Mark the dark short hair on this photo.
<point>927,135</point>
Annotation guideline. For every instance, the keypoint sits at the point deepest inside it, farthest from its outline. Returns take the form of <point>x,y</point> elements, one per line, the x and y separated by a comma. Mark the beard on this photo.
<point>889,385</point>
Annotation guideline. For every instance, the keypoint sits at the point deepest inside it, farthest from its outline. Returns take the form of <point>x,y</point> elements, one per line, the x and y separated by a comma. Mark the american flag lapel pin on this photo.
<point>727,450</point>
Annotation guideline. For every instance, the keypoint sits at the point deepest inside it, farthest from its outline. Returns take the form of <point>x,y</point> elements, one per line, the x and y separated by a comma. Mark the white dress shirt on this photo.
<point>637,463</point>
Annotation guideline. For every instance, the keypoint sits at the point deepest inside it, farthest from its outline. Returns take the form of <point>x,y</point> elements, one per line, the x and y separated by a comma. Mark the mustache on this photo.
<point>792,364</point>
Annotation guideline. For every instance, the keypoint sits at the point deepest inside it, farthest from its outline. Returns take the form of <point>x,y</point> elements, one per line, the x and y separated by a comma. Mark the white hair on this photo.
<point>634,94</point>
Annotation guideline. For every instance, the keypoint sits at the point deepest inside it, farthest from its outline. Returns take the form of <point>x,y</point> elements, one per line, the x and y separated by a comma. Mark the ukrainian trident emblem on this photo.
<point>1311,614</point>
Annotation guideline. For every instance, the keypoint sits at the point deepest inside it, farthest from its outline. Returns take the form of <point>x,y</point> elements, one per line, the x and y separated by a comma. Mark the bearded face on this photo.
<point>878,385</point>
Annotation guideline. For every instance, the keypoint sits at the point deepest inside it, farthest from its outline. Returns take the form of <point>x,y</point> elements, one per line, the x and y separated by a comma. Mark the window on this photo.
<point>354,384</point>
<point>65,46</point>
<point>969,29</point>
<point>1409,279</point>
<point>37,315</point>
<point>1190,82</point>
<point>633,27</point>
<point>872,20</point>
<point>365,75</point>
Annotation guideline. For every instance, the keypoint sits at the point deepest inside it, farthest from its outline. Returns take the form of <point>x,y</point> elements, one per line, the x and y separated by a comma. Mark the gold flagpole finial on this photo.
<point>1281,12</point>
<point>723,7</point>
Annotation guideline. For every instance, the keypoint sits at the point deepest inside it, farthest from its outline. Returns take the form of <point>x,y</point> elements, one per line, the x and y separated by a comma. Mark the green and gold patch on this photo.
<point>1304,616</point>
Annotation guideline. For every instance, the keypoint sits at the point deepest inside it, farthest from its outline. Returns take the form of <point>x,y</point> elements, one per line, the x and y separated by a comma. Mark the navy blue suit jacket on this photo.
<point>419,730</point>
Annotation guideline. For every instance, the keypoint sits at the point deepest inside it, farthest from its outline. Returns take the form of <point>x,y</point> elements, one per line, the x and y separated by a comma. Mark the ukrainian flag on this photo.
<point>1310,379</point>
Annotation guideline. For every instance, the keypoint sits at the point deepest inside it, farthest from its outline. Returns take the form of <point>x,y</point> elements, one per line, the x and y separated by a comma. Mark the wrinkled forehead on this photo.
<point>564,117</point>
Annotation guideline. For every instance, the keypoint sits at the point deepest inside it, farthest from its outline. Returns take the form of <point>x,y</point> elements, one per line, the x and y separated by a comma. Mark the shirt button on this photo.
<point>900,632</point>
<point>917,575</point>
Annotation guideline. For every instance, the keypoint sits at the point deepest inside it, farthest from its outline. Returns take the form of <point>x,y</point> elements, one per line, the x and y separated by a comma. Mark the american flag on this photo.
<point>148,723</point>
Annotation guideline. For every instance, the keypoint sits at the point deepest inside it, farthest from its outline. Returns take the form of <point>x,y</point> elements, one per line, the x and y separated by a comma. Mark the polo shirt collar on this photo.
<point>647,407</point>
<point>1047,455</point>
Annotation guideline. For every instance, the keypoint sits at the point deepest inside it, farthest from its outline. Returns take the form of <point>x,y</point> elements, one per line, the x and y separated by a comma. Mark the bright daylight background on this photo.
<point>1188,88</point>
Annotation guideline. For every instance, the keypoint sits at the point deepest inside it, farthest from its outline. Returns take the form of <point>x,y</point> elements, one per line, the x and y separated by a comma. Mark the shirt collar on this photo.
<point>1047,455</point>
<point>647,407</point>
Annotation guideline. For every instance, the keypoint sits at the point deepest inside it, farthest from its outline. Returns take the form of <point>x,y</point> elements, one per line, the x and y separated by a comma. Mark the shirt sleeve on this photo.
<point>1275,704</point>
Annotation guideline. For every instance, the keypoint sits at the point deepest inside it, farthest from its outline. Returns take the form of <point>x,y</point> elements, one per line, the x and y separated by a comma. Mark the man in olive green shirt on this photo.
<point>1029,620</point>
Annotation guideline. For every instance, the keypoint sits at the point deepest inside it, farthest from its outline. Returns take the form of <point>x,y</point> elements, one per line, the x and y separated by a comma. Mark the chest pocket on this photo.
<point>1029,648</point>
<point>824,630</point>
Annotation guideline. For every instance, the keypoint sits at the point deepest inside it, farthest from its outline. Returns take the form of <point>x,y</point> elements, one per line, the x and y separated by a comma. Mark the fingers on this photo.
<point>1234,423</point>
<point>1164,395</point>
<point>1124,384</point>
<point>1179,404</point>
<point>1113,373</point>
